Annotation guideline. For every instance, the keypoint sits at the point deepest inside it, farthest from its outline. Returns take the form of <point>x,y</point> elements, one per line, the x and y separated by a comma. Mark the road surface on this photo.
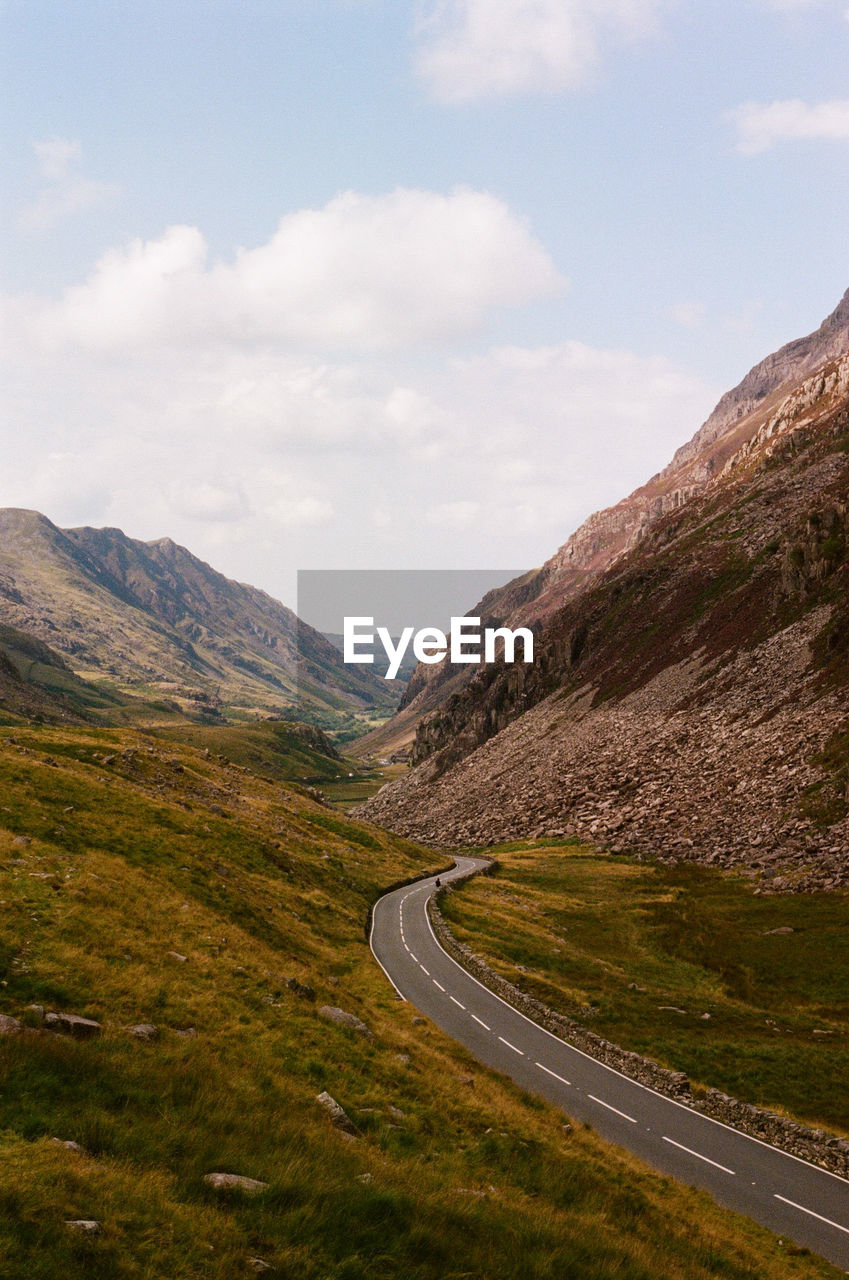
<point>795,1199</point>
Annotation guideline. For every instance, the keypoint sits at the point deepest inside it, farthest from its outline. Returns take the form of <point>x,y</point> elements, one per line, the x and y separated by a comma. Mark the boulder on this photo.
<point>343,1019</point>
<point>338,1115</point>
<point>72,1024</point>
<point>234,1182</point>
<point>8,1026</point>
<point>144,1031</point>
<point>300,989</point>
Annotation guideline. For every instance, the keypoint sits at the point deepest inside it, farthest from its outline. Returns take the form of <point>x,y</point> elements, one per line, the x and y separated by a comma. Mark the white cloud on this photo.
<point>65,191</point>
<point>364,272</point>
<point>473,49</point>
<point>761,125</point>
<point>262,461</point>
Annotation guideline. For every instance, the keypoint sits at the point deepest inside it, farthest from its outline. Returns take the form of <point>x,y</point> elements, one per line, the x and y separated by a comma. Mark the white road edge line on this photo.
<point>481,1021</point>
<point>818,1216</point>
<point>613,1071</point>
<point>699,1156</point>
<point>457,1002</point>
<point>609,1108</point>
<point>511,1046</point>
<point>398,992</point>
<point>549,1072</point>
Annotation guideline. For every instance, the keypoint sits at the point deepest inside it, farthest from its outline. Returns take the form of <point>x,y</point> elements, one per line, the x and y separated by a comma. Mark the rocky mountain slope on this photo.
<point>611,533</point>
<point>152,618</point>
<point>690,700</point>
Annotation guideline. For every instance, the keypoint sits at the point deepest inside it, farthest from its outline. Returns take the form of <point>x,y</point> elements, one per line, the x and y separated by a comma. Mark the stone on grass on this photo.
<point>144,1031</point>
<point>67,1144</point>
<point>72,1024</point>
<point>300,989</point>
<point>338,1116</point>
<point>234,1182</point>
<point>419,1022</point>
<point>175,955</point>
<point>343,1019</point>
<point>86,1226</point>
<point>9,1026</point>
<point>259,1265</point>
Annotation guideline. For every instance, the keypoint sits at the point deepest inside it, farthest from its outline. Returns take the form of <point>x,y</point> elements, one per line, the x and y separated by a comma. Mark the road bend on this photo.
<point>795,1199</point>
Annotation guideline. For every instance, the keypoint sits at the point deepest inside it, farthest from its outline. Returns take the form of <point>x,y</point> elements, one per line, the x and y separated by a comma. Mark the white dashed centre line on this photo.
<point>424,970</point>
<point>549,1072</point>
<point>818,1216</point>
<point>437,984</point>
<point>609,1108</point>
<point>699,1156</point>
<point>511,1046</point>
<point>457,1002</point>
<point>481,1021</point>
<point>412,957</point>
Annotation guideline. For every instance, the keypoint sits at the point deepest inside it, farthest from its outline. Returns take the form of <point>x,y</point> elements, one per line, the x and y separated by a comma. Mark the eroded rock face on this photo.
<point>681,705</point>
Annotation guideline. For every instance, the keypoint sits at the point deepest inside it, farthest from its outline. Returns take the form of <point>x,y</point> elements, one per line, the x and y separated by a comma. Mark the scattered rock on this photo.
<point>338,1115</point>
<point>68,1145</point>
<point>72,1024</point>
<point>259,1264</point>
<point>785,928</point>
<point>343,1019</point>
<point>365,1178</point>
<point>85,1226</point>
<point>403,1058</point>
<point>144,1031</point>
<point>397,1113</point>
<point>175,955</point>
<point>9,1026</point>
<point>22,841</point>
<point>234,1182</point>
<point>670,1008</point>
<point>188,1033</point>
<point>419,1022</point>
<point>300,989</point>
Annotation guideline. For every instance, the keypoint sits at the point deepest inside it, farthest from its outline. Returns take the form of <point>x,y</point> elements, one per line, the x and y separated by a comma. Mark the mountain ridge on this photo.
<point>607,535</point>
<point>691,700</point>
<point>153,617</point>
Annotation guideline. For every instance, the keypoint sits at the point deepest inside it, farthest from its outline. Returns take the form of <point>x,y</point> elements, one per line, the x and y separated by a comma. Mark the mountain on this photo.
<point>37,684</point>
<point>689,694</point>
<point>611,533</point>
<point>153,619</point>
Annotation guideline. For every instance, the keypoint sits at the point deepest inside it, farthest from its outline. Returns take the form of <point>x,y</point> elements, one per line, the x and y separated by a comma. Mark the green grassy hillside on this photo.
<point>148,880</point>
<point>747,993</point>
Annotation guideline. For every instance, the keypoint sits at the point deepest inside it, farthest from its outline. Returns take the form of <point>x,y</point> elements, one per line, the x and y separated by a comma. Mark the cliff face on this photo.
<point>611,533</point>
<point>691,699</point>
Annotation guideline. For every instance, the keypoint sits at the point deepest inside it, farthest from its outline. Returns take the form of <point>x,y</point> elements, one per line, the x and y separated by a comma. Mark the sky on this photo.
<point>398,284</point>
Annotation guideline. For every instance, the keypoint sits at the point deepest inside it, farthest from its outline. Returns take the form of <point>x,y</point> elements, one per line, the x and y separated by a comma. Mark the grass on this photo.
<point>642,953</point>
<point>142,846</point>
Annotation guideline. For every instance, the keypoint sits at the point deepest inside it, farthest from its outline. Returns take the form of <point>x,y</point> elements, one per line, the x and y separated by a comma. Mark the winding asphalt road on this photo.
<point>795,1199</point>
